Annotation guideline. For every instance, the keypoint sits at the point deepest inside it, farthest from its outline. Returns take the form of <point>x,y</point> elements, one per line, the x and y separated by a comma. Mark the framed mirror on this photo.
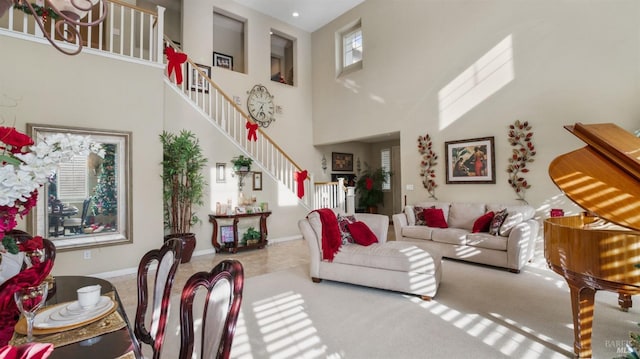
<point>87,202</point>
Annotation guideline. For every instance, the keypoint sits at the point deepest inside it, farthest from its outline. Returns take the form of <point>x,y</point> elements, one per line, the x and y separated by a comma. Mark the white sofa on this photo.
<point>511,248</point>
<point>397,266</point>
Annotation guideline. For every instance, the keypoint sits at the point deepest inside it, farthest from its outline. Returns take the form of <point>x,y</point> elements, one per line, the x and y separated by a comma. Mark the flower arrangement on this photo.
<point>520,136</point>
<point>428,174</point>
<point>24,167</point>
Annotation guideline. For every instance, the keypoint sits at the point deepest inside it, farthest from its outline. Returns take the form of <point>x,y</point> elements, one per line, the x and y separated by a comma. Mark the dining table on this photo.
<point>118,342</point>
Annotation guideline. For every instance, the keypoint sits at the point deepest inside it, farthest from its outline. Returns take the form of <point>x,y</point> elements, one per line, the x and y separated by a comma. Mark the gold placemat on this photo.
<point>108,324</point>
<point>129,355</point>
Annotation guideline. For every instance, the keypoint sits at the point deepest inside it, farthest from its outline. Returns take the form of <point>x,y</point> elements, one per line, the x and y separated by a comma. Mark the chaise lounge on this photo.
<point>396,266</point>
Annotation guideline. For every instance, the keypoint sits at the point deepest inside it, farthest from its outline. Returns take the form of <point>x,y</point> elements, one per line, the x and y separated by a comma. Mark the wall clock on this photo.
<point>260,105</point>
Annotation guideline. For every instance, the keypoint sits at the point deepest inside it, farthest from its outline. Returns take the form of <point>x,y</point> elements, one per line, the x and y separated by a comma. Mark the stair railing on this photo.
<point>232,121</point>
<point>330,195</point>
<point>128,31</point>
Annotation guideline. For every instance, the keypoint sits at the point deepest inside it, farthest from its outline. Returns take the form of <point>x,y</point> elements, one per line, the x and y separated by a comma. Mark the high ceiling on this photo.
<point>313,13</point>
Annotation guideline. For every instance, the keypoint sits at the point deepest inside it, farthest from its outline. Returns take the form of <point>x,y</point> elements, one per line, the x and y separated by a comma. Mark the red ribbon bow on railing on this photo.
<point>300,176</point>
<point>175,61</point>
<point>251,133</point>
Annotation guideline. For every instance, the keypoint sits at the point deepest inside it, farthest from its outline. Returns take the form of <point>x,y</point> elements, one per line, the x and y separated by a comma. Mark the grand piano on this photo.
<point>600,248</point>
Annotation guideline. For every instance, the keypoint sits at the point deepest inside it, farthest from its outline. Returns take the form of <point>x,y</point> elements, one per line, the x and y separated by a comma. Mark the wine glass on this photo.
<point>29,300</point>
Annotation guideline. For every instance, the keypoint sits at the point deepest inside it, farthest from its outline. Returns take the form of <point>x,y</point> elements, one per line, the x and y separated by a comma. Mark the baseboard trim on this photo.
<point>203,252</point>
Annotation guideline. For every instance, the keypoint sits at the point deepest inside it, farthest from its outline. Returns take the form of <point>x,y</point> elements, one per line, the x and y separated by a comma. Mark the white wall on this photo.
<point>87,91</point>
<point>292,130</point>
<point>572,61</point>
<point>217,148</point>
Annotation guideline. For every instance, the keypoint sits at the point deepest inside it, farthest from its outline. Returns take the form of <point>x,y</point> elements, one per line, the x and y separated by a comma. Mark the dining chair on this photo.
<point>77,224</point>
<point>56,218</point>
<point>167,258</point>
<point>223,286</point>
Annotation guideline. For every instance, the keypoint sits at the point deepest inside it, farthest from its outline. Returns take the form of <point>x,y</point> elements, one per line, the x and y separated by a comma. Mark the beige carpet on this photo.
<point>478,312</point>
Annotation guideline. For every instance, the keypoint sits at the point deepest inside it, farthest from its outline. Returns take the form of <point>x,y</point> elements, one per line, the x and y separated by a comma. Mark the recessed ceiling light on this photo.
<point>295,14</point>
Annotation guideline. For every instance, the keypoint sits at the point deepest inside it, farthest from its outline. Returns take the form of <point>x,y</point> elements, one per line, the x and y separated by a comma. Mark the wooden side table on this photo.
<point>262,242</point>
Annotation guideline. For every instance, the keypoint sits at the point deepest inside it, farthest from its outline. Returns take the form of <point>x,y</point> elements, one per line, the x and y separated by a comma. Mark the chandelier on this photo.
<point>68,15</point>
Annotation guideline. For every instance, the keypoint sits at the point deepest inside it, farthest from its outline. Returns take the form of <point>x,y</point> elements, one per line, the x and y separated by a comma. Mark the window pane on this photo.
<point>352,47</point>
<point>72,179</point>
<point>385,161</point>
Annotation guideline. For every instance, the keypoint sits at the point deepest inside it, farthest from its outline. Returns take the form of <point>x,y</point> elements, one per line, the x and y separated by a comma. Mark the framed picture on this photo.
<point>222,60</point>
<point>470,161</point>
<point>341,161</point>
<point>197,81</point>
<point>257,181</point>
<point>221,172</point>
<point>113,175</point>
<point>226,234</point>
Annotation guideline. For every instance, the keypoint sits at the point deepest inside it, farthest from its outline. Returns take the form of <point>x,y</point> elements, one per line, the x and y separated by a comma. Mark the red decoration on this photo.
<point>251,133</point>
<point>331,239</point>
<point>27,351</point>
<point>175,61</point>
<point>15,139</point>
<point>9,312</point>
<point>300,176</point>
<point>368,183</point>
<point>520,136</point>
<point>429,157</point>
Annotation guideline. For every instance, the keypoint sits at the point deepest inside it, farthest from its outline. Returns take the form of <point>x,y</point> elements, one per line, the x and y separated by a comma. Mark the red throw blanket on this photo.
<point>331,239</point>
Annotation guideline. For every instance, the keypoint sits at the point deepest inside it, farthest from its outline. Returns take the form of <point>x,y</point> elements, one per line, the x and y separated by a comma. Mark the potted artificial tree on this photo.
<point>183,186</point>
<point>369,188</point>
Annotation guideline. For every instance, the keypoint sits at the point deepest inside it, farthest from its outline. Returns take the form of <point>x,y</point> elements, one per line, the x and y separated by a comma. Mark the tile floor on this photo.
<point>275,257</point>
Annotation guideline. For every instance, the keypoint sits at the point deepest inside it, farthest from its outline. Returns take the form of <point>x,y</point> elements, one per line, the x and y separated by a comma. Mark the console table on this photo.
<point>236,246</point>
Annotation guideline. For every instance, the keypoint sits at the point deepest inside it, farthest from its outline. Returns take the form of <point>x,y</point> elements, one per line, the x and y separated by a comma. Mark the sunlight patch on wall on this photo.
<point>485,77</point>
<point>351,85</point>
<point>377,98</point>
<point>286,198</point>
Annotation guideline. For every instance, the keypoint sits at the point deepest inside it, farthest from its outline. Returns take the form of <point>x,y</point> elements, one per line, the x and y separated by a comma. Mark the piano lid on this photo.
<point>604,176</point>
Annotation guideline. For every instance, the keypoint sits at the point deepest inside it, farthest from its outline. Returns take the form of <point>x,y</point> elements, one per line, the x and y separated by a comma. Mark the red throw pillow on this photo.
<point>362,234</point>
<point>483,223</point>
<point>434,217</point>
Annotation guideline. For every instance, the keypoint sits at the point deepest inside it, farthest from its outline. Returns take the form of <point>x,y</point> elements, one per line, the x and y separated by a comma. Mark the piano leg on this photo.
<point>582,305</point>
<point>624,301</point>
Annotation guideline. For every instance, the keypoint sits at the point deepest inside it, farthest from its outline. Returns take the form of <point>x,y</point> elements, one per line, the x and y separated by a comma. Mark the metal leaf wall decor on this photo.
<point>520,137</point>
<point>428,162</point>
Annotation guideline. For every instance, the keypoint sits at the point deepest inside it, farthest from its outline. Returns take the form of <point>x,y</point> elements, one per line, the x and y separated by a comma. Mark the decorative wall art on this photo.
<point>257,181</point>
<point>520,137</point>
<point>196,81</point>
<point>470,161</point>
<point>103,206</point>
<point>341,161</point>
<point>222,60</point>
<point>429,157</point>
<point>221,172</point>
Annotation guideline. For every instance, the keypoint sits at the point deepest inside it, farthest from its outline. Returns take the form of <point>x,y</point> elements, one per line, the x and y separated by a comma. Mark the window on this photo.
<point>72,179</point>
<point>350,48</point>
<point>385,162</point>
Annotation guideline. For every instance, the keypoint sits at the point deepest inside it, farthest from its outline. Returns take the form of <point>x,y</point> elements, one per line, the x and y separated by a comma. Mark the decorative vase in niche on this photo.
<point>188,244</point>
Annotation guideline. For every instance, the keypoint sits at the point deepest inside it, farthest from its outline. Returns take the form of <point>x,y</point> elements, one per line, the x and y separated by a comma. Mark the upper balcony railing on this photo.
<point>127,30</point>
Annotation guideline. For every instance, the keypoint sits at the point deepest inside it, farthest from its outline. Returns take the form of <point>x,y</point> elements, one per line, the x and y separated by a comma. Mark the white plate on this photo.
<point>70,314</point>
